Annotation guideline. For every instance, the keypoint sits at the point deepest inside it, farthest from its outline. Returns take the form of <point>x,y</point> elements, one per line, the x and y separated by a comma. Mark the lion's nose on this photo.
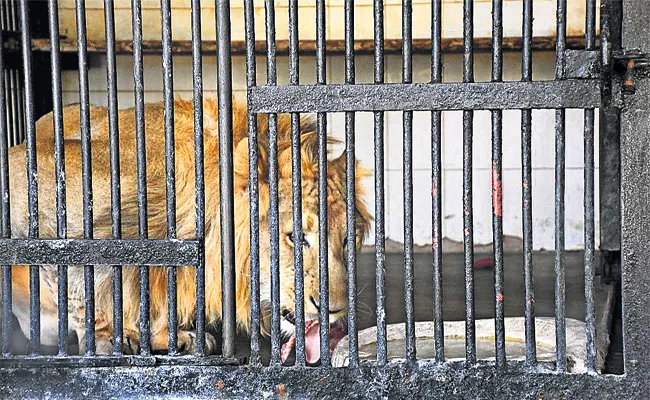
<point>317,305</point>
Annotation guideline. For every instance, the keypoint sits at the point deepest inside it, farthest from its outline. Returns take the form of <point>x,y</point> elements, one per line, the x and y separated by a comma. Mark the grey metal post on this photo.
<point>635,186</point>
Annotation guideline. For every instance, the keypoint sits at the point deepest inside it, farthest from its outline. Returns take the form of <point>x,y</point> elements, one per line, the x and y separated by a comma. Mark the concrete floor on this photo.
<point>454,289</point>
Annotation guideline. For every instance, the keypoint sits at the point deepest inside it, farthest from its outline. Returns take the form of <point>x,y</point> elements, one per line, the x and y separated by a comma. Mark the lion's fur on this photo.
<point>185,212</point>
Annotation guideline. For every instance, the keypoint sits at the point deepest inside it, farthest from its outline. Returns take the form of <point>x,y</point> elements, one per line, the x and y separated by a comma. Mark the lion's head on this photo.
<point>337,226</point>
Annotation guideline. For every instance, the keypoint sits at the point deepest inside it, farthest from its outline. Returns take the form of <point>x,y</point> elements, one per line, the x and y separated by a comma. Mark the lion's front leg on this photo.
<point>104,337</point>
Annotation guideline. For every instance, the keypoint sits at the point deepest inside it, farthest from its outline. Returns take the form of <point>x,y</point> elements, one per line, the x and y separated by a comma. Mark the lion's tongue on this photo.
<point>312,341</point>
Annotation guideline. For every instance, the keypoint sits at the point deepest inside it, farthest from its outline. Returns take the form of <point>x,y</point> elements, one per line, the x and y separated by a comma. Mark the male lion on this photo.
<point>185,202</point>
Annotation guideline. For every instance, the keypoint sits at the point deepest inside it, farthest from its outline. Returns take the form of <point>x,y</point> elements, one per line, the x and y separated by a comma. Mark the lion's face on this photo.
<point>336,258</point>
<point>336,248</point>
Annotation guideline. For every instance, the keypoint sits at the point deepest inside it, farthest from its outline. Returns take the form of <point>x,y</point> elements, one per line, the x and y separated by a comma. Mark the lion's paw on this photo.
<point>187,342</point>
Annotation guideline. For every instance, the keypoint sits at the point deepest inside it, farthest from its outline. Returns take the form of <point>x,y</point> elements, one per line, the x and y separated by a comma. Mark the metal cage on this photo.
<point>607,73</point>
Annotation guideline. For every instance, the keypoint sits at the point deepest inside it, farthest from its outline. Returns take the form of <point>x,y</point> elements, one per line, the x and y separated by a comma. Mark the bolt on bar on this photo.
<point>407,121</point>
<point>251,81</point>
<point>5,228</point>
<point>468,220</point>
<point>114,147</point>
<point>527,187</point>
<point>226,171</point>
<point>141,161</point>
<point>86,159</point>
<point>296,184</point>
<point>321,120</point>
<point>380,246</point>
<point>197,88</point>
<point>436,183</point>
<point>59,160</point>
<point>497,178</point>
<point>32,179</point>
<point>271,77</point>
<point>589,228</point>
<point>350,174</point>
<point>560,295</point>
<point>170,171</point>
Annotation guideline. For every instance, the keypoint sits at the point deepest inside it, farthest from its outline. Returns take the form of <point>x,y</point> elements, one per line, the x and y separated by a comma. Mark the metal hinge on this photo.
<point>627,62</point>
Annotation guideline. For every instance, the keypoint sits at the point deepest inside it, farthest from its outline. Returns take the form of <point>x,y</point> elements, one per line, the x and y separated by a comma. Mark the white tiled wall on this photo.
<point>543,14</point>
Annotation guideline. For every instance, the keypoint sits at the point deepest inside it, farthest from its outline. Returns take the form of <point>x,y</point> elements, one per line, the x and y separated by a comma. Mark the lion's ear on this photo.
<point>309,147</point>
<point>340,164</point>
<point>308,154</point>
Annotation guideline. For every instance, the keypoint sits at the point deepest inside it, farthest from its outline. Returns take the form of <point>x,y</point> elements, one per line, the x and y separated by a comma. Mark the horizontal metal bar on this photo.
<point>98,252</point>
<point>425,96</point>
<point>423,380</point>
<point>115,361</point>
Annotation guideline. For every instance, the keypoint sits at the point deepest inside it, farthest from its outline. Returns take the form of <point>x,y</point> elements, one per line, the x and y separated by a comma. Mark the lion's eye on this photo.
<point>290,239</point>
<point>345,242</point>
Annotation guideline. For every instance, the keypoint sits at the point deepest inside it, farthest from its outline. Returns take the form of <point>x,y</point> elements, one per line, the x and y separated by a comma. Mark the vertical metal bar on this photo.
<point>224,88</point>
<point>197,87</point>
<point>589,228</point>
<point>350,182</point>
<point>407,121</point>
<point>59,159</point>
<point>468,220</point>
<point>271,79</point>
<point>296,183</point>
<point>170,170</point>
<point>251,81</point>
<point>7,76</point>
<point>560,301</point>
<point>527,187</point>
<point>19,117</point>
<point>17,93</point>
<point>322,192</point>
<point>84,111</point>
<point>5,228</point>
<point>497,211</point>
<point>589,231</point>
<point>114,146</point>
<point>9,81</point>
<point>635,208</point>
<point>141,161</point>
<point>4,189</point>
<point>9,107</point>
<point>20,95</point>
<point>436,183</point>
<point>32,180</point>
<point>380,245</point>
<point>4,21</point>
<point>609,138</point>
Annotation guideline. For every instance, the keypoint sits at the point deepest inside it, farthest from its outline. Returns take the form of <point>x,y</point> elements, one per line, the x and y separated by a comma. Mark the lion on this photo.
<point>185,211</point>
